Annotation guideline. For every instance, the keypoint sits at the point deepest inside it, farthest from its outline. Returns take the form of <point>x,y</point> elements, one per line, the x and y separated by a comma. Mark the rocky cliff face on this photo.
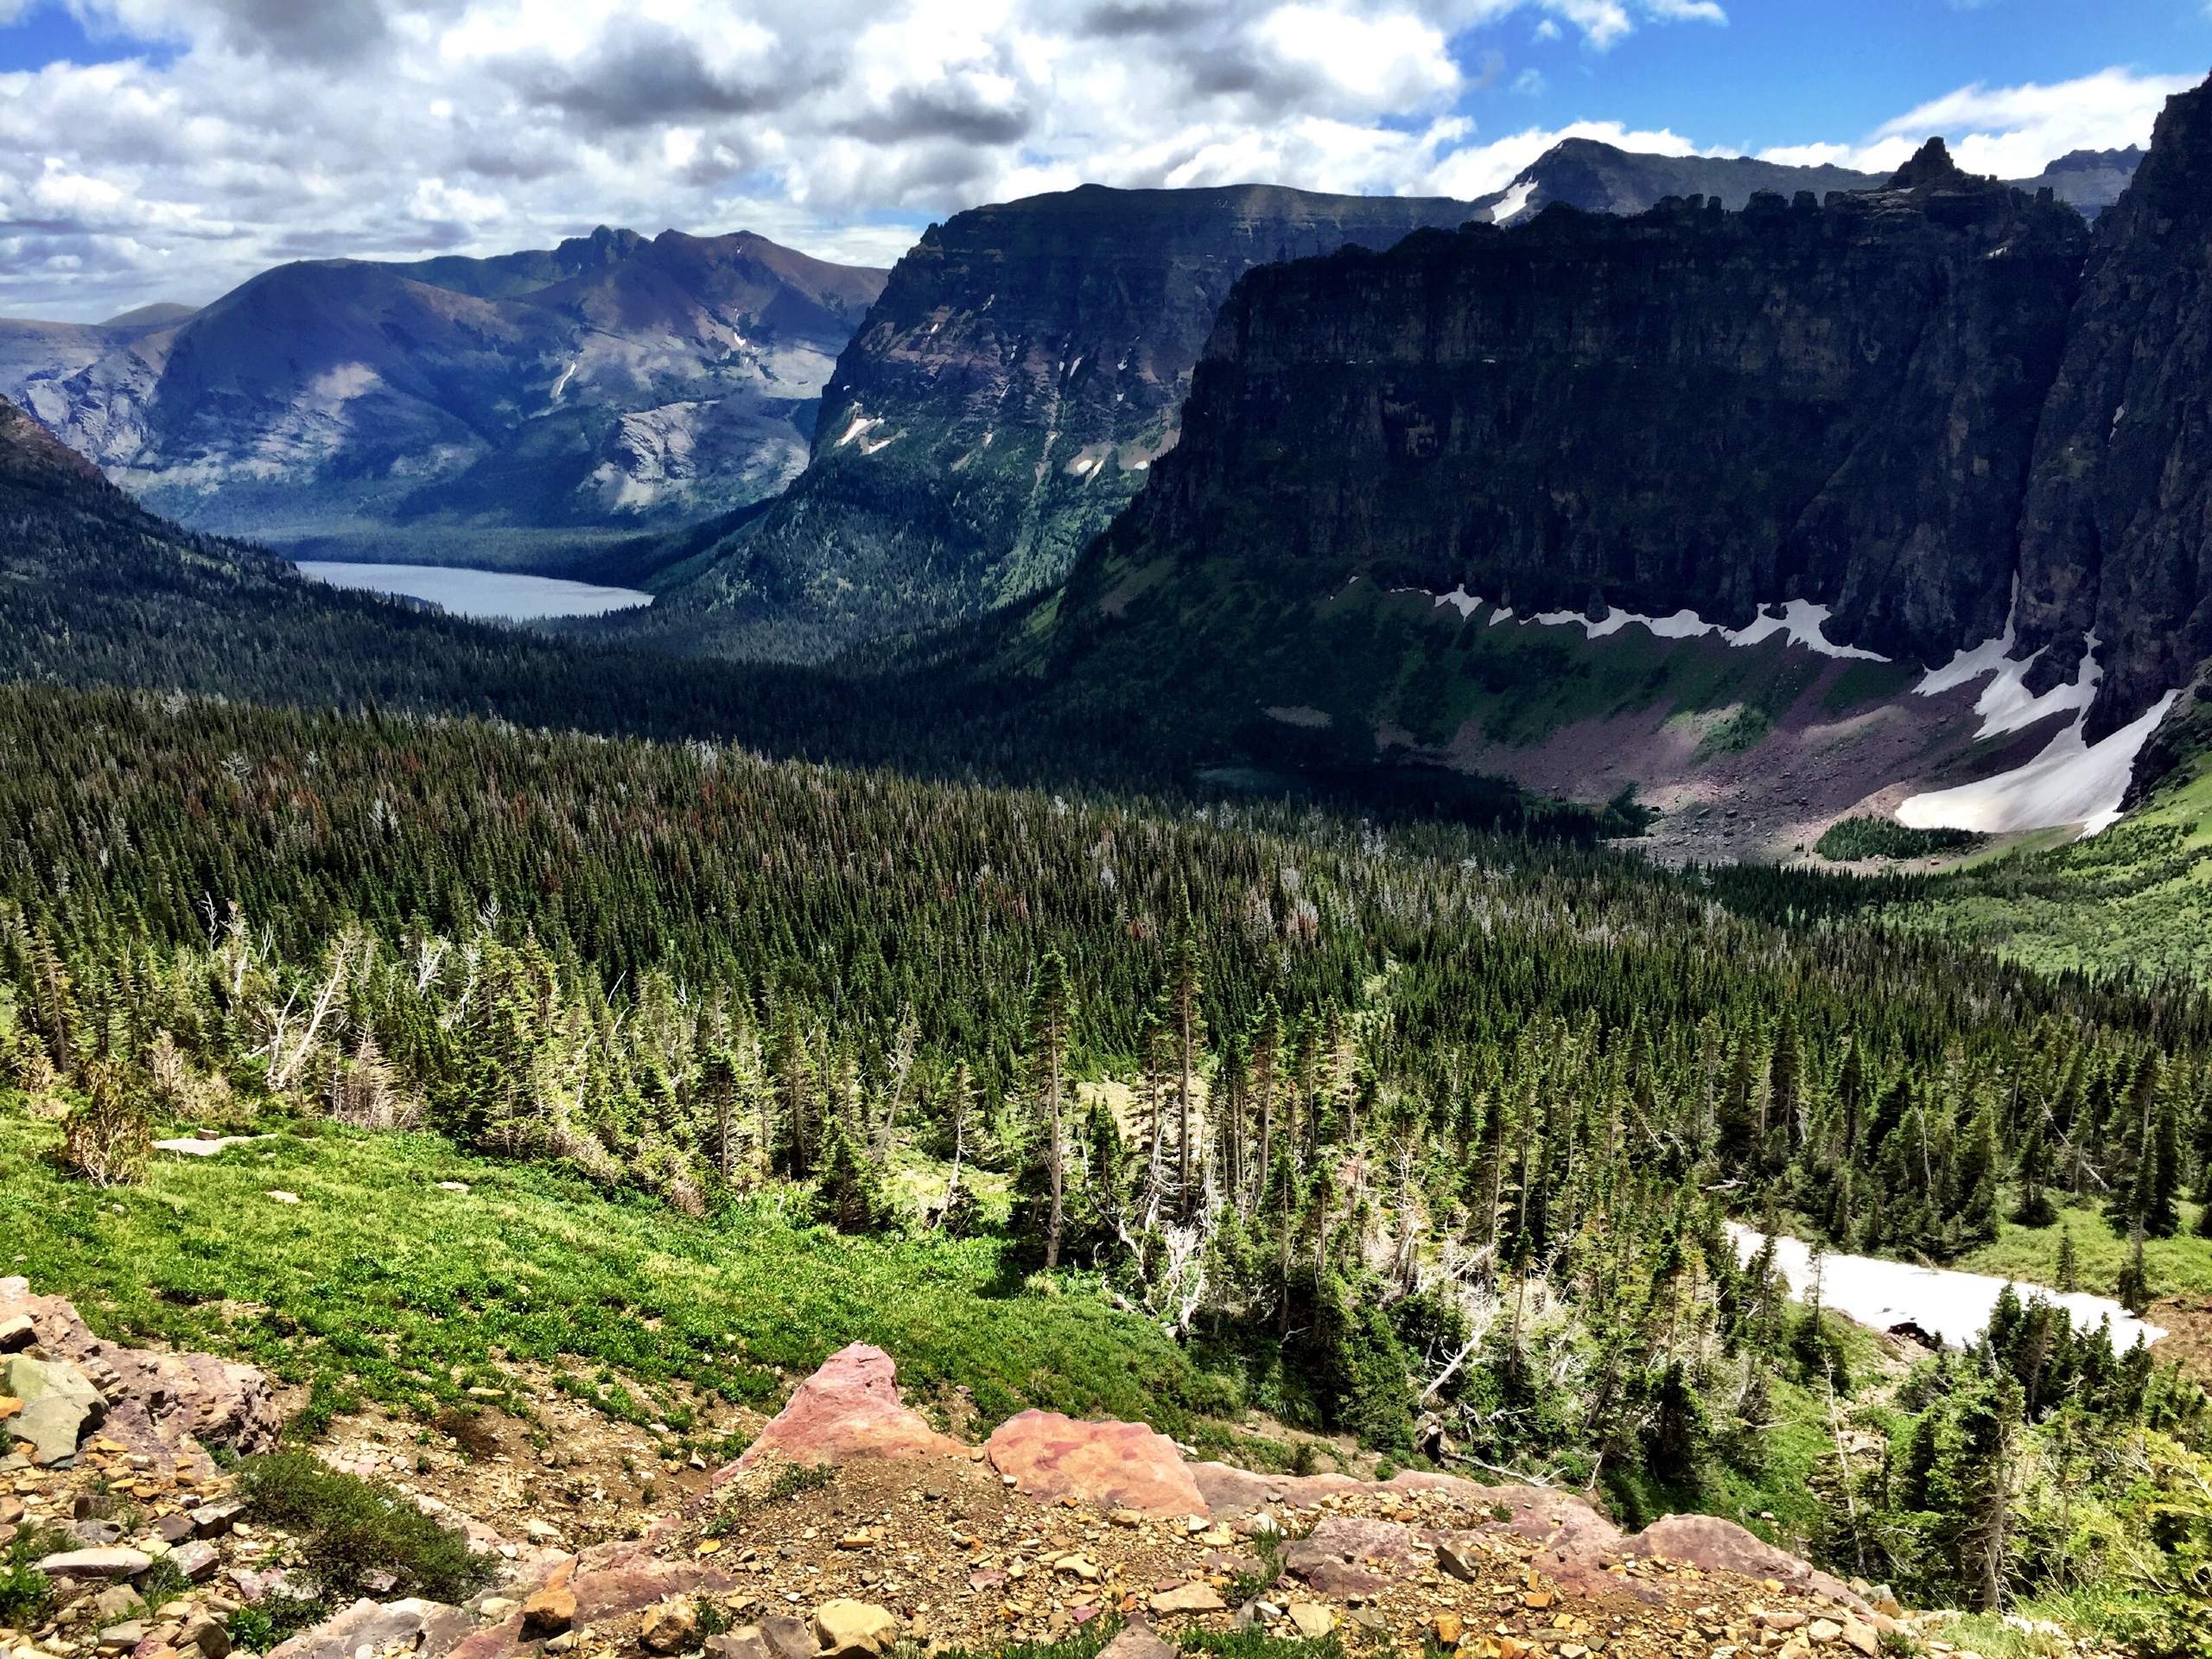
<point>426,410</point>
<point>1021,371</point>
<point>1689,409</point>
<point>2117,535</point>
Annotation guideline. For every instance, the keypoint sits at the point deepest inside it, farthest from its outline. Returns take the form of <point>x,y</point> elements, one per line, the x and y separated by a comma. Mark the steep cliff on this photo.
<point>1688,409</point>
<point>2117,535</point>
<point>1022,370</point>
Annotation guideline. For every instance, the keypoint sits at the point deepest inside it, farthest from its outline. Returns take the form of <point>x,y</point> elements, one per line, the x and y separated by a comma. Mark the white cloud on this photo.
<point>2010,132</point>
<point>264,130</point>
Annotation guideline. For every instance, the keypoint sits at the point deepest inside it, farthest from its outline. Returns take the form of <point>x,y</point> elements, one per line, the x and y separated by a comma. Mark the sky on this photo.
<point>166,149</point>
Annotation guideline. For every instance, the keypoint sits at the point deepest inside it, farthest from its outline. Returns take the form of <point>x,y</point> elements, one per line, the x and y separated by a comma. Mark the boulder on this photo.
<point>844,1629</point>
<point>848,1409</point>
<point>1111,1465</point>
<point>1187,1599</point>
<point>1312,1620</point>
<point>113,1562</point>
<point>787,1638</point>
<point>60,1405</point>
<point>1712,1545</point>
<point>549,1611</point>
<point>1137,1642</point>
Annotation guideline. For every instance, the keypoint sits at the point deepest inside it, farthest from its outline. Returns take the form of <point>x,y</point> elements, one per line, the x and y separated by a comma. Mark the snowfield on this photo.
<point>1953,1307</point>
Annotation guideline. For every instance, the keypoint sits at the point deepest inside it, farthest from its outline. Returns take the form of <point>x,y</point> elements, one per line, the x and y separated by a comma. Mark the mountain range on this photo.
<point>1889,502</point>
<point>1024,368</point>
<point>514,410</point>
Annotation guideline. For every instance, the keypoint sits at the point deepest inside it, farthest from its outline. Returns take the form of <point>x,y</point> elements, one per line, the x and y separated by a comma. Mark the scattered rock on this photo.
<point>277,1195</point>
<point>549,1609</point>
<point>844,1628</point>
<point>669,1627</point>
<point>196,1560</point>
<point>17,1332</point>
<point>1187,1599</point>
<point>1312,1620</point>
<point>1458,1561</point>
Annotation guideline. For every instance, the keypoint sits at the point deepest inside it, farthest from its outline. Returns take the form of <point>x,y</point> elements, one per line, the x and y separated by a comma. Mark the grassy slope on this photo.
<point>2138,896</point>
<point>379,1285</point>
<point>379,1281</point>
<point>2181,1265</point>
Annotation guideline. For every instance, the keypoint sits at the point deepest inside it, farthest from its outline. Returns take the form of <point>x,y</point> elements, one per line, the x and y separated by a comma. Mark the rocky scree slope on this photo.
<point>513,403</point>
<point>902,1535</point>
<point>1890,408</point>
<point>1022,368</point>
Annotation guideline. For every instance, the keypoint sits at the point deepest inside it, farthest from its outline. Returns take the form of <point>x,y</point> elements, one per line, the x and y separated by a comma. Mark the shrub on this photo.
<point>360,1537</point>
<point>106,1138</point>
<point>26,1594</point>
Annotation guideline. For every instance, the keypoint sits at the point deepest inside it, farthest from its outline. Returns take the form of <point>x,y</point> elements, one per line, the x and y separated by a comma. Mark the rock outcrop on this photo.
<point>1061,1523</point>
<point>2116,539</point>
<point>151,1402</point>
<point>1023,368</point>
<point>1692,409</point>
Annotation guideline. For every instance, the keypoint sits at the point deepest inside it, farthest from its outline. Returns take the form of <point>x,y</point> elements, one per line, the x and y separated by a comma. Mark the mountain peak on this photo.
<point>1931,167</point>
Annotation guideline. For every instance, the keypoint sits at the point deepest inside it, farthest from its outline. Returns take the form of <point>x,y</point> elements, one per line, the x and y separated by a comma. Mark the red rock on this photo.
<point>847,1410</point>
<point>1114,1465</point>
<point>1707,1542</point>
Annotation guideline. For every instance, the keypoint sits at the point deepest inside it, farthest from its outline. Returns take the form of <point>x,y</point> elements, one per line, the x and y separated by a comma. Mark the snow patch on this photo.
<point>561,384</point>
<point>1515,202</point>
<point>1459,600</point>
<point>2005,704</point>
<point>860,427</point>
<point>1954,1307</point>
<point>868,447</point>
<point>1799,623</point>
<point>2072,781</point>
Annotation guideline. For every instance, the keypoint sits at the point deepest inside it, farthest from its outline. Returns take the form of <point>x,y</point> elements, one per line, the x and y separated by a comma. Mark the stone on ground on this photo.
<point>1311,1620</point>
<point>844,1629</point>
<point>548,1611</point>
<point>668,1627</point>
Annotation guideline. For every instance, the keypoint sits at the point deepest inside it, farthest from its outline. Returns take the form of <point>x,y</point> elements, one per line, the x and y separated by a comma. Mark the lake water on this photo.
<point>1953,1307</point>
<point>502,596</point>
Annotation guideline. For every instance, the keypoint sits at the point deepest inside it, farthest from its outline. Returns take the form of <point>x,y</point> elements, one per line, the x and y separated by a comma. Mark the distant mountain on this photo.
<point>1600,178</point>
<point>1025,366</point>
<point>159,313</point>
<point>2091,180</point>
<point>519,410</point>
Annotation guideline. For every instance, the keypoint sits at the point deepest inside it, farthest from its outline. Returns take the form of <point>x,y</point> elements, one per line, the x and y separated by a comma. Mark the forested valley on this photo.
<point>1422,1135</point>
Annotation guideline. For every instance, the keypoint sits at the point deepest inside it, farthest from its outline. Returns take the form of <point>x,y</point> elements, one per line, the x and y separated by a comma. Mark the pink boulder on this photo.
<point>848,1410</point>
<point>1712,1545</point>
<point>1114,1465</point>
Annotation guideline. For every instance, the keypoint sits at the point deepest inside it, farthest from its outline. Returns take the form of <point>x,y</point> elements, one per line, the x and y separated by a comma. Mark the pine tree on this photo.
<point>2070,1272</point>
<point>1050,1018</point>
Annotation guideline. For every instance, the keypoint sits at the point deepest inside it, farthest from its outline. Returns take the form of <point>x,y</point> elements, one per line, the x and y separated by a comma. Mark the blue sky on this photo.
<point>156,149</point>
